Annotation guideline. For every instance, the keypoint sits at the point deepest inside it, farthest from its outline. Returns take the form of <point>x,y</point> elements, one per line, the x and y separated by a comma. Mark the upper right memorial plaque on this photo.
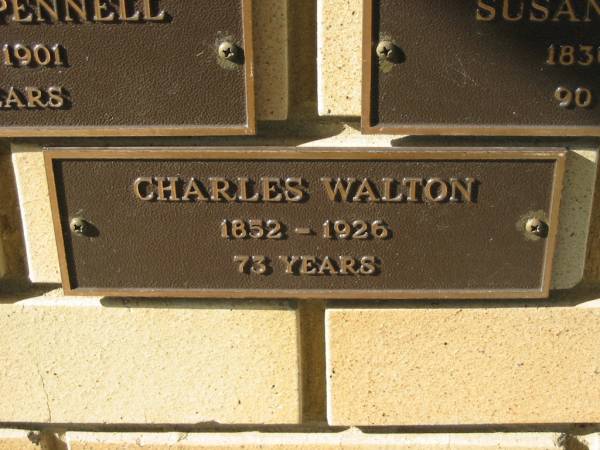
<point>482,67</point>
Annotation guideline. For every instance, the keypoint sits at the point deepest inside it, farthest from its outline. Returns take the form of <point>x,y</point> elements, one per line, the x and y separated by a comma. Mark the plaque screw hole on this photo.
<point>536,227</point>
<point>386,50</point>
<point>228,51</point>
<point>80,226</point>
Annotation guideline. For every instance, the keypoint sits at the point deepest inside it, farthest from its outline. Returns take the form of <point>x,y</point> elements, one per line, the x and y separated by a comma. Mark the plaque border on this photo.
<point>368,127</point>
<point>170,130</point>
<point>558,155</point>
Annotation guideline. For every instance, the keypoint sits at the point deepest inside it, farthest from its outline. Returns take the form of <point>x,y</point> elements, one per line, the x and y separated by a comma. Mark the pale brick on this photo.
<point>36,215</point>
<point>569,262</point>
<point>339,59</point>
<point>271,59</point>
<point>575,217</point>
<point>88,360</point>
<point>17,440</point>
<point>463,366</point>
<point>348,440</point>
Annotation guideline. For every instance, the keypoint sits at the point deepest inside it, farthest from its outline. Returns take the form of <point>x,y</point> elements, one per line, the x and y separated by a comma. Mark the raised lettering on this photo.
<point>436,190</point>
<point>123,13</point>
<point>591,4</point>
<point>366,192</point>
<point>244,188</point>
<point>144,183</point>
<point>99,8</point>
<point>539,12</point>
<point>34,98</point>
<point>294,189</point>
<point>271,189</point>
<point>51,10</point>
<point>308,265</point>
<point>193,189</point>
<point>148,14</point>
<point>18,9</point>
<point>388,192</point>
<point>289,262</point>
<point>485,12</point>
<point>219,190</point>
<point>566,8</point>
<point>13,99</point>
<point>55,97</point>
<point>78,8</point>
<point>170,188</point>
<point>462,191</point>
<point>413,184</point>
<point>340,191</point>
<point>506,10</point>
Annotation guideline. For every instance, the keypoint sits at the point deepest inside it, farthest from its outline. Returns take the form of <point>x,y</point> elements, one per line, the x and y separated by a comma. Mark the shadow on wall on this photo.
<point>255,305</point>
<point>12,254</point>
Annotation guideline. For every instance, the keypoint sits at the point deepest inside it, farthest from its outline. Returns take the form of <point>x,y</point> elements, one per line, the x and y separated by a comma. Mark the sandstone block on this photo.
<point>352,440</point>
<point>339,59</point>
<point>463,366</point>
<point>575,218</point>
<point>271,59</point>
<point>96,361</point>
<point>36,215</point>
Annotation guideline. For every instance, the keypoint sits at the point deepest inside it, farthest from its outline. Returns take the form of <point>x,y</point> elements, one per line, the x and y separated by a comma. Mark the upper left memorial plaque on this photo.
<point>126,68</point>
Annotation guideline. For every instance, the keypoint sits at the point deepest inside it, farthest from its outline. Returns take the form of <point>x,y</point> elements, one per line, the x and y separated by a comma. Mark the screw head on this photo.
<point>80,226</point>
<point>537,227</point>
<point>228,51</point>
<point>386,50</point>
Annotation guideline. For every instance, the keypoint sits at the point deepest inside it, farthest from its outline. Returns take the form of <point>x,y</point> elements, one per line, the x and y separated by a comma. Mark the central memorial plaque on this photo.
<point>482,67</point>
<point>126,68</point>
<point>291,223</point>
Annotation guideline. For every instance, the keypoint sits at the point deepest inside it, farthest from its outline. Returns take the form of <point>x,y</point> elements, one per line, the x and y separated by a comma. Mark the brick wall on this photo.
<point>105,373</point>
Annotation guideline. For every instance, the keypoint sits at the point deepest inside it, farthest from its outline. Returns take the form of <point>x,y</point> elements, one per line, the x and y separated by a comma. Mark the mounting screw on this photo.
<point>386,50</point>
<point>537,227</point>
<point>228,51</point>
<point>80,226</point>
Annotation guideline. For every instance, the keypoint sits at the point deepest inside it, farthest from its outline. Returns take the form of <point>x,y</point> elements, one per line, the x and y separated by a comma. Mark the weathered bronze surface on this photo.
<point>125,68</point>
<point>482,67</point>
<point>336,223</point>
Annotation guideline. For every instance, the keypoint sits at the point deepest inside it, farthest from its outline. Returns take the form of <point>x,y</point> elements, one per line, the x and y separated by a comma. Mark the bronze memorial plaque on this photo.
<point>289,223</point>
<point>482,67</point>
<point>126,68</point>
